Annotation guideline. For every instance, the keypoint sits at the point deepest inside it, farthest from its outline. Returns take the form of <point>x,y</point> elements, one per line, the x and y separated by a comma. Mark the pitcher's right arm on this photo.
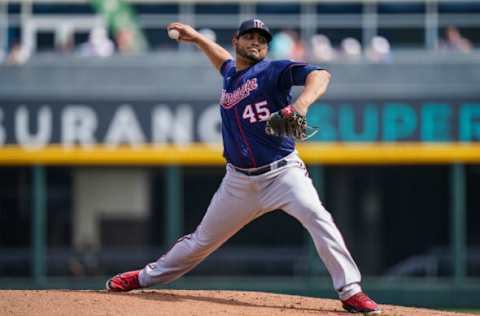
<point>216,53</point>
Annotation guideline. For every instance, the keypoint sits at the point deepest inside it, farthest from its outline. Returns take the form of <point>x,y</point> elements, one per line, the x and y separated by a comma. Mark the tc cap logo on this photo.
<point>258,24</point>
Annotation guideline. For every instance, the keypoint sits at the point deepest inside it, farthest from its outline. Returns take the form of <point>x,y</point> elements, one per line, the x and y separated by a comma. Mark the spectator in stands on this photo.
<point>287,45</point>
<point>18,55</point>
<point>125,41</point>
<point>98,45</point>
<point>350,48</point>
<point>64,40</point>
<point>379,50</point>
<point>298,52</point>
<point>281,45</point>
<point>454,41</point>
<point>322,50</point>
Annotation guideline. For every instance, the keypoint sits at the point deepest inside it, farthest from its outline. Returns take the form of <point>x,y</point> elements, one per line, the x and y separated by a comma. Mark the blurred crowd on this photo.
<point>286,44</point>
<point>99,44</point>
<point>455,41</point>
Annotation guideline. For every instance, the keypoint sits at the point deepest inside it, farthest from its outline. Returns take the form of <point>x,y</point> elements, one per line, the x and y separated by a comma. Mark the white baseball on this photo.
<point>173,34</point>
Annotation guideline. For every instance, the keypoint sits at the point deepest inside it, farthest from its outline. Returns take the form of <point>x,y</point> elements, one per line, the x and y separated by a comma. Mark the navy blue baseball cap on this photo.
<point>255,25</point>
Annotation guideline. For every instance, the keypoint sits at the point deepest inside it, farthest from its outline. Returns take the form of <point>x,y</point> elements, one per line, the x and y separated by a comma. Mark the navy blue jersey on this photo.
<point>248,98</point>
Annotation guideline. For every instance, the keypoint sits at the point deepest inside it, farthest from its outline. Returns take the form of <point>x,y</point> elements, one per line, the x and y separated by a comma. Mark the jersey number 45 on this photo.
<point>257,112</point>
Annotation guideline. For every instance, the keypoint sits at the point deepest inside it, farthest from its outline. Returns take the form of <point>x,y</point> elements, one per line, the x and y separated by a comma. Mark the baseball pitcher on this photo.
<point>260,124</point>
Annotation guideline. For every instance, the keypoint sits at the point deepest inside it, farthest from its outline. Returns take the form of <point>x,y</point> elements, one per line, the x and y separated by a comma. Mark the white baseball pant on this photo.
<point>242,198</point>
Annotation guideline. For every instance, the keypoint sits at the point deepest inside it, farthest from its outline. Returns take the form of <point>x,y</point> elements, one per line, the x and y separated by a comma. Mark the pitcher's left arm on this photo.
<point>315,86</point>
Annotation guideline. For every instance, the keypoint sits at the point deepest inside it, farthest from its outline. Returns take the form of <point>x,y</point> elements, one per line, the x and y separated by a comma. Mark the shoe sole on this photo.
<point>372,313</point>
<point>107,286</point>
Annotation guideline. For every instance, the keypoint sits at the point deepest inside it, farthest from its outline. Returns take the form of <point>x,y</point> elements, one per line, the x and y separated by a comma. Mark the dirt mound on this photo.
<point>178,303</point>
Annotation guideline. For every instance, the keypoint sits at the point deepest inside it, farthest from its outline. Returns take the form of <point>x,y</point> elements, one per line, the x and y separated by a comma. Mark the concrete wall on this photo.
<point>170,75</point>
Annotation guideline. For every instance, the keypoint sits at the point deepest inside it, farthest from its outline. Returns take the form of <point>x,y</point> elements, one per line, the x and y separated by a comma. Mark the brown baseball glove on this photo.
<point>287,123</point>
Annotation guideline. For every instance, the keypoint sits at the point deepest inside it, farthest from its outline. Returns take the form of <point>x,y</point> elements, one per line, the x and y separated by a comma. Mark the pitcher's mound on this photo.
<point>177,303</point>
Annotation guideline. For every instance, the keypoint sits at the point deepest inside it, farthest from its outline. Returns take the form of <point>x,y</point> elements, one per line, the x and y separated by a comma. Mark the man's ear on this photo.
<point>234,40</point>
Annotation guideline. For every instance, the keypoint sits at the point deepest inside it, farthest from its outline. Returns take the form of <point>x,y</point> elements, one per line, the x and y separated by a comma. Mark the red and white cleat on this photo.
<point>124,282</point>
<point>361,303</point>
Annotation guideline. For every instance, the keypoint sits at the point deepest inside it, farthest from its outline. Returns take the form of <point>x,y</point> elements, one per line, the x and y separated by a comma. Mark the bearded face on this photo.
<point>251,46</point>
